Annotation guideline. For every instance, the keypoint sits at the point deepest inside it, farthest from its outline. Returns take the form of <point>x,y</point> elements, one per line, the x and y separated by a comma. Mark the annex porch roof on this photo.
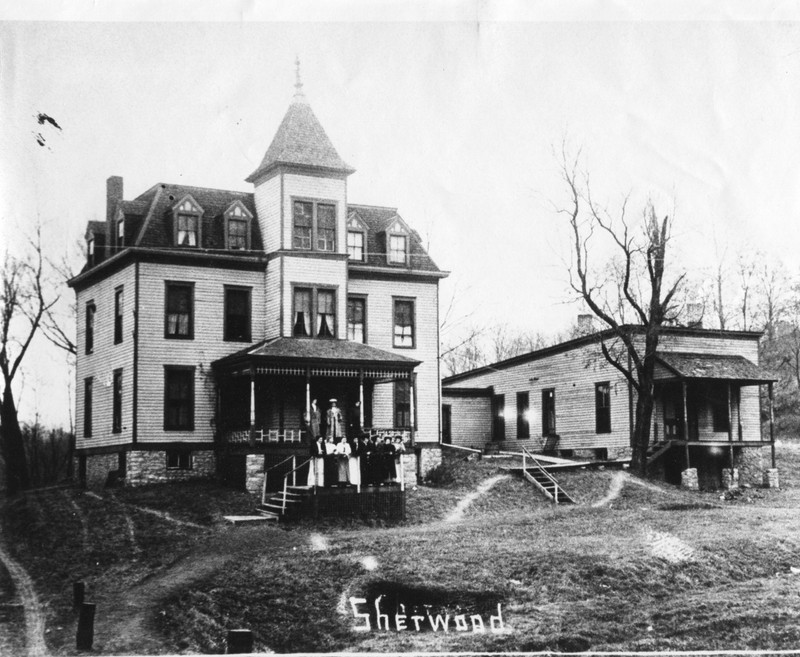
<point>298,356</point>
<point>682,365</point>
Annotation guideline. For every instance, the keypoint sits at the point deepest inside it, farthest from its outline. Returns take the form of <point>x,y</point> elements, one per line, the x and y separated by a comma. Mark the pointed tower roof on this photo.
<point>301,140</point>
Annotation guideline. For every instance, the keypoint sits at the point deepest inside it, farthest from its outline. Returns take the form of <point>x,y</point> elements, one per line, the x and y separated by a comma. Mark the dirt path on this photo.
<point>34,619</point>
<point>618,482</point>
<point>125,619</point>
<point>461,508</point>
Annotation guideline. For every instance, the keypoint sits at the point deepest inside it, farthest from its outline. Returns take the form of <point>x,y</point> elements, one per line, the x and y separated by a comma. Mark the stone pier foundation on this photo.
<point>730,478</point>
<point>689,479</point>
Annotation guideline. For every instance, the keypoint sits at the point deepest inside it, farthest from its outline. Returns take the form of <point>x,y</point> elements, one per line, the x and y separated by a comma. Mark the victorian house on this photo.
<point>211,322</point>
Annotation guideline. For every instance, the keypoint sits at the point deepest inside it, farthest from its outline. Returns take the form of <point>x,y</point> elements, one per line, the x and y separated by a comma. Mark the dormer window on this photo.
<point>397,241</point>
<point>90,250</point>
<point>356,232</point>
<point>237,227</point>
<point>314,226</point>
<point>398,249</point>
<point>121,230</point>
<point>187,222</point>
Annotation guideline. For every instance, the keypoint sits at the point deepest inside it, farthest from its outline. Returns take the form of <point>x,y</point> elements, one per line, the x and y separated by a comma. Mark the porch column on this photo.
<point>685,427</point>
<point>252,403</point>
<point>411,389</point>
<point>361,399</point>
<point>771,423</point>
<point>730,424</point>
<point>308,396</point>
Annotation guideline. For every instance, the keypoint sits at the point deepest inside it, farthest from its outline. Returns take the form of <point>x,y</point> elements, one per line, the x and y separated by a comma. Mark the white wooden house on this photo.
<point>567,398</point>
<point>209,320</point>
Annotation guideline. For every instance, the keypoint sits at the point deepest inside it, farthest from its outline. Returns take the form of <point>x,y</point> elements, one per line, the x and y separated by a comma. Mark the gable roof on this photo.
<point>377,219</point>
<point>301,140</point>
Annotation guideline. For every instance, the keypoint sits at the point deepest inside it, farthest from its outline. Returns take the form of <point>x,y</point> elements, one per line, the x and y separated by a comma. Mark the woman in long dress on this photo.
<point>331,471</point>
<point>316,468</point>
<point>353,466</point>
<point>342,461</point>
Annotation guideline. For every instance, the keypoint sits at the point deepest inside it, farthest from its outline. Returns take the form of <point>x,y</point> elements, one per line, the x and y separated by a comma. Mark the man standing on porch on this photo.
<point>314,420</point>
<point>335,424</point>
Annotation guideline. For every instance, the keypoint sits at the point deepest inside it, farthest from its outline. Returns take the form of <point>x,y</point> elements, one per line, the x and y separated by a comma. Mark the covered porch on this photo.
<point>266,394</point>
<point>709,405</point>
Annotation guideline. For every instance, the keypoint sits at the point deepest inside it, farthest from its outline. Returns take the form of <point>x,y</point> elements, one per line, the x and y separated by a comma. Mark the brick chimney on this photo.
<point>694,315</point>
<point>585,324</point>
<point>113,196</point>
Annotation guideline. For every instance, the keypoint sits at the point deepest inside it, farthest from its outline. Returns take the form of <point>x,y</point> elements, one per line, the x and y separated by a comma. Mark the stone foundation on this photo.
<point>254,473</point>
<point>750,463</point>
<point>730,478</point>
<point>429,458</point>
<point>98,468</point>
<point>690,480</point>
<point>409,469</point>
<point>151,468</point>
<point>771,478</point>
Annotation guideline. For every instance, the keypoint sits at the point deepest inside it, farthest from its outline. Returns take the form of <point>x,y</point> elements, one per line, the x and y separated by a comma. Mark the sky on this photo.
<point>448,111</point>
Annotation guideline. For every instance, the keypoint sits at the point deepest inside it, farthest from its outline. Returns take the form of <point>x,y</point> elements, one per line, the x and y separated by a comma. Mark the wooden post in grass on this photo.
<point>78,593</point>
<point>239,642</point>
<point>85,636</point>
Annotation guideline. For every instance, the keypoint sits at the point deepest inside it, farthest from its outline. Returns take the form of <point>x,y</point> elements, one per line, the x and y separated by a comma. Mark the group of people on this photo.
<point>339,461</point>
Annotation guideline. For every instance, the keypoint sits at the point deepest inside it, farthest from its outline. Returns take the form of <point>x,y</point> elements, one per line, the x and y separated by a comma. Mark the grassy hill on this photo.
<point>654,568</point>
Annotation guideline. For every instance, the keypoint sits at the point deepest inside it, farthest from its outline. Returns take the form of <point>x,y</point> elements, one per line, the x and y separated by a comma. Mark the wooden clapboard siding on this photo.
<point>383,405</point>
<point>105,358</point>
<point>572,374</point>
<point>315,188</point>
<point>267,197</point>
<point>156,351</point>
<point>272,300</point>
<point>317,273</point>
<point>380,334</point>
<point>731,345</point>
<point>472,420</point>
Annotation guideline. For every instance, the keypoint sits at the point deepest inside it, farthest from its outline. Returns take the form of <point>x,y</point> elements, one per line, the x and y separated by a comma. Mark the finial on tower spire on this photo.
<point>298,84</point>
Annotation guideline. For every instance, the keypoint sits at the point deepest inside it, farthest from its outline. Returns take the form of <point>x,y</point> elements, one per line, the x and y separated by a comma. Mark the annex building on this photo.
<point>213,324</point>
<point>569,399</point>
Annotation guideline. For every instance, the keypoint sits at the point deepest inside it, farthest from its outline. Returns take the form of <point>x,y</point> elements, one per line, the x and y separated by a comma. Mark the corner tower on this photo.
<point>301,200</point>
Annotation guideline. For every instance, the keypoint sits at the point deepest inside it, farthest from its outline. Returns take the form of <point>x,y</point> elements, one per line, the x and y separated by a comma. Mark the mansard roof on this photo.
<point>157,230</point>
<point>301,141</point>
<point>378,219</point>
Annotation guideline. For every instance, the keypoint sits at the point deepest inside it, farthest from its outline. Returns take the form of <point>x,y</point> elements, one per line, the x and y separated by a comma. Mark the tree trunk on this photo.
<point>13,448</point>
<point>641,433</point>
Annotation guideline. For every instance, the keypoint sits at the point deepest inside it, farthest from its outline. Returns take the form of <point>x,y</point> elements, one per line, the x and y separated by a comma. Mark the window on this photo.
<point>314,226</point>
<point>237,227</point>
<point>398,249</point>
<point>179,459</point>
<point>237,234</point>
<point>118,312</point>
<point>178,398</point>
<point>403,323</point>
<point>548,412</point>
<point>90,251</point>
<point>356,311</point>
<point>178,315</point>
<point>187,230</point>
<point>355,244</point>
<point>90,313</point>
<point>314,313</point>
<point>237,314</point>
<point>523,426</point>
<point>402,404</point>
<point>326,227</point>
<point>88,384</point>
<point>718,398</point>
<point>116,421</point>
<point>121,231</point>
<point>498,417</point>
<point>602,407</point>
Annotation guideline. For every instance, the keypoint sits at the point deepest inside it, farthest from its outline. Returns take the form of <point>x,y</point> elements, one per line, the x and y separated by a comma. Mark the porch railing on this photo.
<point>265,436</point>
<point>383,432</point>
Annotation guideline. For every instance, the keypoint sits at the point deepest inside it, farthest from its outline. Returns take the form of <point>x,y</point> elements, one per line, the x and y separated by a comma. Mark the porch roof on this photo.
<point>726,367</point>
<point>310,351</point>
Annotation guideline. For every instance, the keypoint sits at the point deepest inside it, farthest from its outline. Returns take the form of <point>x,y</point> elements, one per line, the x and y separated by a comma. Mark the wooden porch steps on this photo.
<point>273,506</point>
<point>656,450</point>
<point>549,486</point>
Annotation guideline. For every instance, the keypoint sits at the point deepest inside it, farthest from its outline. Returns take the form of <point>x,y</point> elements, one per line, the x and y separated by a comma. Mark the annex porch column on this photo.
<point>411,399</point>
<point>771,422</point>
<point>685,427</point>
<point>730,424</point>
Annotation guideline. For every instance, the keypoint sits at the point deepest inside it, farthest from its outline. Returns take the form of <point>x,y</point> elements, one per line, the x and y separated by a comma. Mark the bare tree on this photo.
<point>638,284</point>
<point>24,303</point>
<point>746,271</point>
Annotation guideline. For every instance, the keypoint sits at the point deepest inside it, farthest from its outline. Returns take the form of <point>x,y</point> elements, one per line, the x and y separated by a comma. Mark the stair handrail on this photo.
<point>539,468</point>
<point>267,471</point>
<point>291,472</point>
